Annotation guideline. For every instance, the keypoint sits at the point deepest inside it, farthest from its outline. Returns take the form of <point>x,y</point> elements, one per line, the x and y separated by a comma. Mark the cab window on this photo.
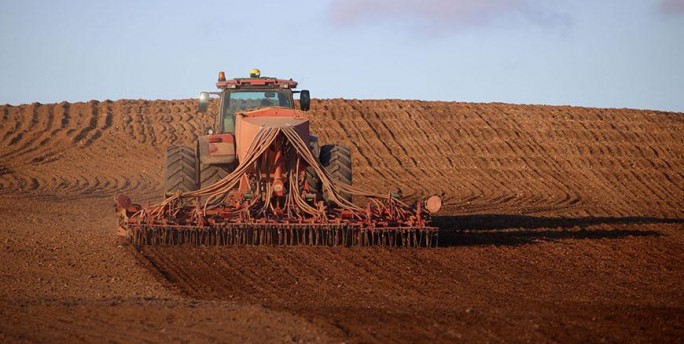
<point>240,101</point>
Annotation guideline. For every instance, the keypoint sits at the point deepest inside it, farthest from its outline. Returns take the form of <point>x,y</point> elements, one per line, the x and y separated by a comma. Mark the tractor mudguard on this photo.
<point>216,149</point>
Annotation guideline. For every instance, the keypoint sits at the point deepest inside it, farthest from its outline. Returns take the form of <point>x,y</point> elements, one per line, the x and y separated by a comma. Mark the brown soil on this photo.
<point>561,224</point>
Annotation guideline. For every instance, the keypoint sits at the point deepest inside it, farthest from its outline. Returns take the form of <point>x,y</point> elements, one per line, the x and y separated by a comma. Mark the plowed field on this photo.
<point>561,224</point>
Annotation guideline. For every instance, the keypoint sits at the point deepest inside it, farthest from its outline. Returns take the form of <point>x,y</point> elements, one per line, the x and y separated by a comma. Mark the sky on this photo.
<point>594,53</point>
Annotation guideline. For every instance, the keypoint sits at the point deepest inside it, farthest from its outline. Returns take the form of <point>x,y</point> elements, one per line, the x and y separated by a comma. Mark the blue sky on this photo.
<point>609,53</point>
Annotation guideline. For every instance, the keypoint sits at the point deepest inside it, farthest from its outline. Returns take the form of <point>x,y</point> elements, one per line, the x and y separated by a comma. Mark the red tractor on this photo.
<point>245,106</point>
<point>260,177</point>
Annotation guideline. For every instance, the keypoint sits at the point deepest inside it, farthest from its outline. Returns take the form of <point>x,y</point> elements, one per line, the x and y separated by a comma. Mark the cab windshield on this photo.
<point>239,101</point>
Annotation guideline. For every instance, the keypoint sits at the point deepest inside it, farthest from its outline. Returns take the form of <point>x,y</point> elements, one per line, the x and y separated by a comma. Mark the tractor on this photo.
<point>259,177</point>
<point>252,101</point>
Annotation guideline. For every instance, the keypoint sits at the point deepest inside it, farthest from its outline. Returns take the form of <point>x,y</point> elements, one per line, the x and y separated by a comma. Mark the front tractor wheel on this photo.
<point>337,161</point>
<point>180,170</point>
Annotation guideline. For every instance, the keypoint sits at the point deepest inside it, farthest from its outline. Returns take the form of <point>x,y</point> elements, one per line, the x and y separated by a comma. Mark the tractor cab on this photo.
<point>249,94</point>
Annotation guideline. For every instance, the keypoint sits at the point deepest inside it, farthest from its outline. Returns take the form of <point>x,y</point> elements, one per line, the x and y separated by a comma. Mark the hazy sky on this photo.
<point>599,53</point>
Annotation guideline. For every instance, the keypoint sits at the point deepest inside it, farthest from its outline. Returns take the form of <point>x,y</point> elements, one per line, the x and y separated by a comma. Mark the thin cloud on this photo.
<point>438,15</point>
<point>672,6</point>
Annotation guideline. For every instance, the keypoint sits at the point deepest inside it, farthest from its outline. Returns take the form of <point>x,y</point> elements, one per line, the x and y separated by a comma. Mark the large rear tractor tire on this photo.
<point>337,161</point>
<point>180,171</point>
<point>313,181</point>
<point>210,174</point>
<point>312,178</point>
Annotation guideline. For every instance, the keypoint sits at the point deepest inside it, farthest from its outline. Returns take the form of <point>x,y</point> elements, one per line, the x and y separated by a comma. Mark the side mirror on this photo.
<point>203,101</point>
<point>304,100</point>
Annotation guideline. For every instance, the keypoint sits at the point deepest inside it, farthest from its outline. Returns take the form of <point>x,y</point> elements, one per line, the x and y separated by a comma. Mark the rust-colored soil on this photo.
<point>561,224</point>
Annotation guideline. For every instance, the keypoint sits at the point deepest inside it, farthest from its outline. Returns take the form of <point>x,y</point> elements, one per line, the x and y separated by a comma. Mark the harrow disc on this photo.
<point>252,234</point>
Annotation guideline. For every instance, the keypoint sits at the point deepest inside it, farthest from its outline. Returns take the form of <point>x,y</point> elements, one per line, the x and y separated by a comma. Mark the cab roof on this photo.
<point>265,82</point>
